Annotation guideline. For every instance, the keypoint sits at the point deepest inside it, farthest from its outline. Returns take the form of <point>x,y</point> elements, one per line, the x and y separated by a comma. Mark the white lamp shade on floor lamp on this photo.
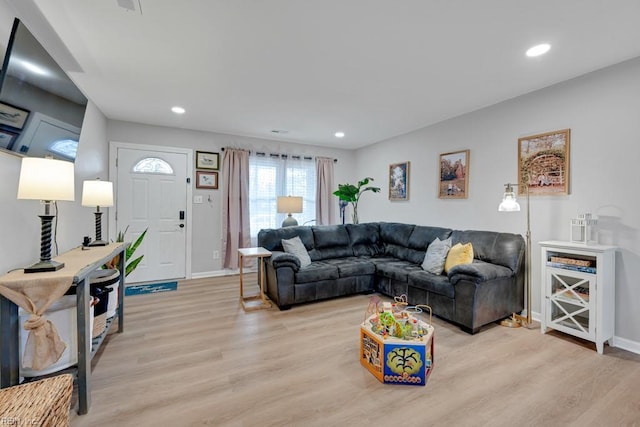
<point>289,205</point>
<point>97,193</point>
<point>48,180</point>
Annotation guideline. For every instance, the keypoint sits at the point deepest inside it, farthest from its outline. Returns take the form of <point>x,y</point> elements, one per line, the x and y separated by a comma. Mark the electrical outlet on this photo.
<point>197,199</point>
<point>216,254</point>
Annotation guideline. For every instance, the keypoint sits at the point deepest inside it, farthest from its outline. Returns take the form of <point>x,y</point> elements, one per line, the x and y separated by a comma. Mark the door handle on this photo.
<point>181,225</point>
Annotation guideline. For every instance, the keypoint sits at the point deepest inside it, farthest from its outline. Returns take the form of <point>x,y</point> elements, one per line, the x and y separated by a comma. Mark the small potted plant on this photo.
<point>350,193</point>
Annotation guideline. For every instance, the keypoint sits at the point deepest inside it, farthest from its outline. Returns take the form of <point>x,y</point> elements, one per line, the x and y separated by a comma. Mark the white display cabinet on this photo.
<point>578,290</point>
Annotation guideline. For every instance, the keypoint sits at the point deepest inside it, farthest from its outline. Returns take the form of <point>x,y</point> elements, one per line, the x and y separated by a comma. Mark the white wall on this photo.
<point>601,109</point>
<point>20,225</point>
<point>207,217</point>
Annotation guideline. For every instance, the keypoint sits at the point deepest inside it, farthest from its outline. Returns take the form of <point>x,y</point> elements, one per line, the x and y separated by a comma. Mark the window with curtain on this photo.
<point>270,177</point>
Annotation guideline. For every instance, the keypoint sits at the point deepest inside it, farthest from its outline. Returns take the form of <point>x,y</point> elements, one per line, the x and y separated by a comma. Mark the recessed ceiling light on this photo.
<point>178,110</point>
<point>538,50</point>
<point>339,134</point>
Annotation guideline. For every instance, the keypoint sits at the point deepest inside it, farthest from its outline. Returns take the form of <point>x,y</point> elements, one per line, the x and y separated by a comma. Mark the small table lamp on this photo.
<point>289,204</point>
<point>97,193</point>
<point>48,180</point>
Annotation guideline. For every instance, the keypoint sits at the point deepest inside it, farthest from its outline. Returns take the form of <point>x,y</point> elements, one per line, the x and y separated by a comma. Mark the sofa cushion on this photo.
<point>395,236</point>
<point>496,248</point>
<point>295,247</point>
<point>352,266</point>
<point>436,256</point>
<point>429,282</point>
<point>395,269</point>
<point>478,271</point>
<point>420,238</point>
<point>330,241</point>
<point>316,271</point>
<point>271,239</point>
<point>365,239</point>
<point>458,254</point>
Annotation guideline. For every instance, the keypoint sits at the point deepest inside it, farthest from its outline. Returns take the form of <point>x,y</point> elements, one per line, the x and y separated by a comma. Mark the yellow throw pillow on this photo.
<point>458,254</point>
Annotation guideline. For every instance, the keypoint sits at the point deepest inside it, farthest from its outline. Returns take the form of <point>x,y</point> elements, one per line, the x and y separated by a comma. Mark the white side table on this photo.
<point>246,301</point>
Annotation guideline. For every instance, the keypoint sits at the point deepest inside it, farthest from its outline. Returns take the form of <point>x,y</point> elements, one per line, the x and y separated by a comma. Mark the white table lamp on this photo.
<point>97,193</point>
<point>289,205</point>
<point>48,180</point>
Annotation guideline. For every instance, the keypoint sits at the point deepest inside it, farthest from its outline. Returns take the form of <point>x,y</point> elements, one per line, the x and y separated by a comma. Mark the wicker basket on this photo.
<point>44,403</point>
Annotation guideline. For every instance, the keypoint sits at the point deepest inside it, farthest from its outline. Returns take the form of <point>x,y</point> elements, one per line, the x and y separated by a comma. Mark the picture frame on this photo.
<point>207,180</point>
<point>453,181</point>
<point>543,163</point>
<point>207,160</point>
<point>7,138</point>
<point>13,116</point>
<point>399,181</point>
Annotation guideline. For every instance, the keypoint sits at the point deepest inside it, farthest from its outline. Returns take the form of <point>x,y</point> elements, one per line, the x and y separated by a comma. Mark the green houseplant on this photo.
<point>350,193</point>
<point>131,265</point>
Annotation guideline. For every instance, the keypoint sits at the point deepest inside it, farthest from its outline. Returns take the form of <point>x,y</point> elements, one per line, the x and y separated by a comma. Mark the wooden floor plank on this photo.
<point>193,357</point>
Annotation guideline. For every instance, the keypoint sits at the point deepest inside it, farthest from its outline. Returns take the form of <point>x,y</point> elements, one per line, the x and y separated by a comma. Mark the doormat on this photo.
<point>150,288</point>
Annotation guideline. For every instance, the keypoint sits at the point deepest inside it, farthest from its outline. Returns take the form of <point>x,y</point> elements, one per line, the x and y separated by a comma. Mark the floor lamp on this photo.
<point>509,204</point>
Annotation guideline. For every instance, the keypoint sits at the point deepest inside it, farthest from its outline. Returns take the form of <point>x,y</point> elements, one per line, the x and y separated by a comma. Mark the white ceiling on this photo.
<point>374,69</point>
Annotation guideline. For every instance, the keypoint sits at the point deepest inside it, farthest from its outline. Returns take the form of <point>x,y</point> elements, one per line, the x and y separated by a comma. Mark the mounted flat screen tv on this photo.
<point>41,109</point>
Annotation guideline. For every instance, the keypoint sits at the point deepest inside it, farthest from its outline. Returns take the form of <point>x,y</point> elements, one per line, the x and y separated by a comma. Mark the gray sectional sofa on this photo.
<point>386,257</point>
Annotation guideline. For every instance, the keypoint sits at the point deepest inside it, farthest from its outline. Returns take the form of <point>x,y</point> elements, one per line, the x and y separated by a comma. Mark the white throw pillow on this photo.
<point>295,247</point>
<point>436,256</point>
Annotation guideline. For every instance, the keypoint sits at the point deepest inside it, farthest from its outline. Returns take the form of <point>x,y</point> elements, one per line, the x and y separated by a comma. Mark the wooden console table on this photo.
<point>79,264</point>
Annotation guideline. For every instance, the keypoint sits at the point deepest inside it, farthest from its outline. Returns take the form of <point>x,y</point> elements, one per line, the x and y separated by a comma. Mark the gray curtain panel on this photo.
<point>325,200</point>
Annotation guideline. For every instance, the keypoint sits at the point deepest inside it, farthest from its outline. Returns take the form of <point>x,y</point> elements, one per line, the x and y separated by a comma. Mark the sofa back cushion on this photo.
<point>271,238</point>
<point>419,241</point>
<point>504,249</point>
<point>394,237</point>
<point>365,239</point>
<point>330,241</point>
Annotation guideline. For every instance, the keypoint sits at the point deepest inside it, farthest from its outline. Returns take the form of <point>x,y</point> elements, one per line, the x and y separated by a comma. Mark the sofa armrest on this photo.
<point>283,259</point>
<point>478,271</point>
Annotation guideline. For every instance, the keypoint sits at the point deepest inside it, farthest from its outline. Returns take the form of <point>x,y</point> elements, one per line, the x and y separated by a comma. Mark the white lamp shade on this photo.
<point>46,179</point>
<point>289,204</point>
<point>97,193</point>
<point>509,203</point>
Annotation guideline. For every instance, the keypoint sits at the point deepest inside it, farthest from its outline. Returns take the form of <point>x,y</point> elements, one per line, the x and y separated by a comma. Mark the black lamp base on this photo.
<point>42,266</point>
<point>98,243</point>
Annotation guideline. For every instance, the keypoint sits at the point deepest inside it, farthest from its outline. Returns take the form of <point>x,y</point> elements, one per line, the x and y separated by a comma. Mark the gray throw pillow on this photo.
<point>295,247</point>
<point>436,256</point>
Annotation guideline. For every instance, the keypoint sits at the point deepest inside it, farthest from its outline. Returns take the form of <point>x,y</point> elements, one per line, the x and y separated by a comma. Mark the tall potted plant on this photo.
<point>351,194</point>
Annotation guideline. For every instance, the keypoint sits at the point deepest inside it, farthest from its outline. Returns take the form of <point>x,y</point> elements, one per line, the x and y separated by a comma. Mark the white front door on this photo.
<point>152,191</point>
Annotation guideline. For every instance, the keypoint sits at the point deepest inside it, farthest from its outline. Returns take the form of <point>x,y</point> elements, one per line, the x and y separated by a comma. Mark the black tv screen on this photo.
<point>41,109</point>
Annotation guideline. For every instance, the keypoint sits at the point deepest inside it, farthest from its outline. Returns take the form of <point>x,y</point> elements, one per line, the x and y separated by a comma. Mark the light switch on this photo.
<point>197,199</point>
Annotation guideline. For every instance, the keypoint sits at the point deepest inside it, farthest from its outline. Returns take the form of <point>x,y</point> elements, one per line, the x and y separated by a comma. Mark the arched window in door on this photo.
<point>153,165</point>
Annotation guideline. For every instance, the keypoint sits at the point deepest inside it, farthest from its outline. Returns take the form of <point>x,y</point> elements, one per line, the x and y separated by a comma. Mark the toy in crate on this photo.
<point>396,346</point>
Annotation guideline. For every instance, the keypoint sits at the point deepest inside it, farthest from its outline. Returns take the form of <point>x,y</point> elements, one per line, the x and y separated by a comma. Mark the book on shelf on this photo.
<point>590,270</point>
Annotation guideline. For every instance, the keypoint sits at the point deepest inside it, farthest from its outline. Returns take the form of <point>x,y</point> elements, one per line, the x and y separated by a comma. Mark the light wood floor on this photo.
<point>193,357</point>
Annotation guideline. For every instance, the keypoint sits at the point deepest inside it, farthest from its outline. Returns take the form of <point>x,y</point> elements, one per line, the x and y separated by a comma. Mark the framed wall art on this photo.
<point>454,175</point>
<point>543,163</point>
<point>399,181</point>
<point>207,180</point>
<point>207,160</point>
<point>12,116</point>
<point>7,138</point>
